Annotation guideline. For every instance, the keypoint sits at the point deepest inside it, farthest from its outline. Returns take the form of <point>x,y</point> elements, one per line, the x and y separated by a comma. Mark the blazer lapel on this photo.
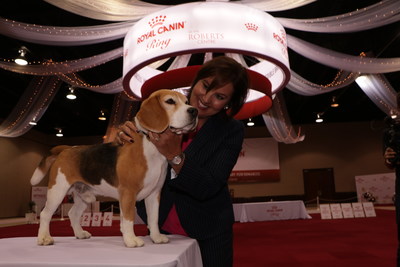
<point>210,131</point>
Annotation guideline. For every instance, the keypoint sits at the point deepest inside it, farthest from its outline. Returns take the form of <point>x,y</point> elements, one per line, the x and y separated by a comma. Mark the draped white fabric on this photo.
<point>343,61</point>
<point>127,12</point>
<point>278,122</point>
<point>31,106</point>
<point>301,86</point>
<point>68,66</point>
<point>109,10</point>
<point>121,10</point>
<point>379,90</point>
<point>374,16</point>
<point>275,5</point>
<point>64,36</point>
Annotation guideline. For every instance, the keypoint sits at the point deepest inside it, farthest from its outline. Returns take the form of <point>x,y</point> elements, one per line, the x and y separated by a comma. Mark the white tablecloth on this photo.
<point>99,251</point>
<point>270,211</point>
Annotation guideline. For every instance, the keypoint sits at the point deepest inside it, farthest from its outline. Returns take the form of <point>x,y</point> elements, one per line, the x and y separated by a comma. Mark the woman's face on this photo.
<point>211,102</point>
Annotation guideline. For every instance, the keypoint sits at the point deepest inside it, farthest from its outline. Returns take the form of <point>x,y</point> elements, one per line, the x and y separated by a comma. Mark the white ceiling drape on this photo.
<point>374,16</point>
<point>31,106</point>
<point>349,66</point>
<point>370,17</point>
<point>133,10</point>
<point>108,10</point>
<point>343,61</point>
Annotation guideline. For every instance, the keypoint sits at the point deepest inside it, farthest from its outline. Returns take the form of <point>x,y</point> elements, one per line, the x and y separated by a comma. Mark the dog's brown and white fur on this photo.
<point>129,173</point>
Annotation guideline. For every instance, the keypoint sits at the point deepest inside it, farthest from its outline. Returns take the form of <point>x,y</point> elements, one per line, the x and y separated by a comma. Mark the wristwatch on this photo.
<point>177,159</point>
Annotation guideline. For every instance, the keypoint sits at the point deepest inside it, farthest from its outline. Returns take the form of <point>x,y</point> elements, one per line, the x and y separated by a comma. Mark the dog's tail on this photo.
<point>45,164</point>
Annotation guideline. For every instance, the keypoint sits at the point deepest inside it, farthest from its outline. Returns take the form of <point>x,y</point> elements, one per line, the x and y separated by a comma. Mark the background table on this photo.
<point>270,211</point>
<point>99,251</point>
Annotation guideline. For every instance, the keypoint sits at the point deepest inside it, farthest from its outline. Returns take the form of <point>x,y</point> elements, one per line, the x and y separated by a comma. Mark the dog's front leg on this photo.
<point>152,206</point>
<point>127,204</point>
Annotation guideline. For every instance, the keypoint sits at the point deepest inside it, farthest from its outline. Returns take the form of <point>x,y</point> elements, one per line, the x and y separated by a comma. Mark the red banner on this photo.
<point>254,176</point>
<point>257,162</point>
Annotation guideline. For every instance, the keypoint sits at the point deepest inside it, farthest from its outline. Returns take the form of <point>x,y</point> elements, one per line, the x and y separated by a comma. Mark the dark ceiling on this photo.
<point>79,117</point>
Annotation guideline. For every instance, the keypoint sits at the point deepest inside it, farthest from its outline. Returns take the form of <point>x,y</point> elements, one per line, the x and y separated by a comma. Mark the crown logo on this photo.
<point>157,21</point>
<point>251,26</point>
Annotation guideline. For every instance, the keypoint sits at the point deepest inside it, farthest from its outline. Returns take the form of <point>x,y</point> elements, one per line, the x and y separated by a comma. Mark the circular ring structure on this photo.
<point>206,27</point>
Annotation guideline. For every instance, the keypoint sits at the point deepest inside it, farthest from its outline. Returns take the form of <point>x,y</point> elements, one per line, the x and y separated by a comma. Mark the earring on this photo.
<point>226,107</point>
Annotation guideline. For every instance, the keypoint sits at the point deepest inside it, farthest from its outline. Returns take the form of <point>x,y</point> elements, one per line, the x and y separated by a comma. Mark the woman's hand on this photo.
<point>126,133</point>
<point>389,155</point>
<point>168,143</point>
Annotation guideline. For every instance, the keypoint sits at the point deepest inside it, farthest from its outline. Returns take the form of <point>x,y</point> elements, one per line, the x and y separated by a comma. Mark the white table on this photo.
<point>99,251</point>
<point>270,211</point>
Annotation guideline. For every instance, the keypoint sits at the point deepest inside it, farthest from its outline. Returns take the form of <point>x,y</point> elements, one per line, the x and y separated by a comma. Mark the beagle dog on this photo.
<point>128,173</point>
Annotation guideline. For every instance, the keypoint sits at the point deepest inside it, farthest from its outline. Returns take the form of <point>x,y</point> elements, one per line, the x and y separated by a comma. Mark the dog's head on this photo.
<point>166,108</point>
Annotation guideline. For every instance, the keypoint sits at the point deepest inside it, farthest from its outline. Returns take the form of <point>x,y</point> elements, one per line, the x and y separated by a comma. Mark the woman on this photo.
<point>195,199</point>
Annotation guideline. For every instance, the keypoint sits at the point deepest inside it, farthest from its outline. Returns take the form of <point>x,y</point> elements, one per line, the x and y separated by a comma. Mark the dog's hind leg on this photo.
<point>55,195</point>
<point>75,214</point>
<point>152,206</point>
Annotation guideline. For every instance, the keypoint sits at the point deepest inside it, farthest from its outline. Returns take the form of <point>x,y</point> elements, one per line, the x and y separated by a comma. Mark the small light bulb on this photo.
<point>250,123</point>
<point>319,118</point>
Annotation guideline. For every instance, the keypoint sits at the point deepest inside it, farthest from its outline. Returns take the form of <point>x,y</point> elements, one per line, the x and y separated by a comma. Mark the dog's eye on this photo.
<point>170,101</point>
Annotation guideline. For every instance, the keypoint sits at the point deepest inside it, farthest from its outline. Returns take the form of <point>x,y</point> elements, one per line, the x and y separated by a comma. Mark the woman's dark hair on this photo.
<point>226,70</point>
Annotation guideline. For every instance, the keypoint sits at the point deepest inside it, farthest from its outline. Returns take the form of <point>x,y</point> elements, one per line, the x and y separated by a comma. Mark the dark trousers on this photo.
<point>217,251</point>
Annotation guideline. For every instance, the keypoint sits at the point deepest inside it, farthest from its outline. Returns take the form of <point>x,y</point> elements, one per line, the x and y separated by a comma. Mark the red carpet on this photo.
<point>365,242</point>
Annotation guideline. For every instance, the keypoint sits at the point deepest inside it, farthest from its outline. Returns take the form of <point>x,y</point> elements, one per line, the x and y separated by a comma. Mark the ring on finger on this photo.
<point>120,133</point>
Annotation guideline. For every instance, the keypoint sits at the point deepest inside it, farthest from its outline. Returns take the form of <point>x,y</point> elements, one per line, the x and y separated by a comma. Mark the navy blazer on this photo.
<point>200,191</point>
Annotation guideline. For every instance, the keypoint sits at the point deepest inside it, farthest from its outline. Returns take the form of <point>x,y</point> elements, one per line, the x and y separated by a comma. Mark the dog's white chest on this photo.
<point>156,170</point>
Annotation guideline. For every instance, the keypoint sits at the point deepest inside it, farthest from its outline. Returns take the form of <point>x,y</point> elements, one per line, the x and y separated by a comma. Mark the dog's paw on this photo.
<point>134,242</point>
<point>159,238</point>
<point>45,240</point>
<point>83,235</point>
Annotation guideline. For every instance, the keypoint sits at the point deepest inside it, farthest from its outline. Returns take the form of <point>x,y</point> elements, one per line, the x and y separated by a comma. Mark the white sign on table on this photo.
<point>107,219</point>
<point>347,210</point>
<point>369,209</point>
<point>96,219</point>
<point>358,210</point>
<point>336,211</point>
<point>325,211</point>
<point>86,218</point>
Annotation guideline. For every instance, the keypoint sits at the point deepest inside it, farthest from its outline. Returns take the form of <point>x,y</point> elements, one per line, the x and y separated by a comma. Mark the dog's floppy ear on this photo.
<point>152,116</point>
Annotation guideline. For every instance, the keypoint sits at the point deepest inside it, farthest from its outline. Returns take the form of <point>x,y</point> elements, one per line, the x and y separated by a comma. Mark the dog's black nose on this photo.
<point>192,111</point>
